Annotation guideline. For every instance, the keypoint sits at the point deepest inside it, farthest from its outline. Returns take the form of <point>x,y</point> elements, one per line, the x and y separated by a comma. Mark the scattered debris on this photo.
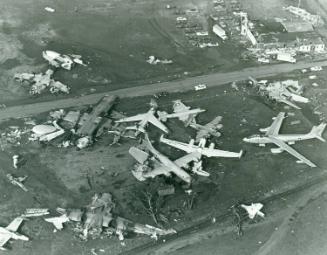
<point>295,122</point>
<point>15,160</point>
<point>17,181</point>
<point>49,9</point>
<point>315,20</point>
<point>200,87</point>
<point>35,212</point>
<point>154,61</point>
<point>39,82</point>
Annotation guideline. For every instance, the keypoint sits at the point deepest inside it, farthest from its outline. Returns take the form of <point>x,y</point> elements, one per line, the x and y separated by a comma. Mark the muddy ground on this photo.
<point>116,46</point>
<point>65,177</point>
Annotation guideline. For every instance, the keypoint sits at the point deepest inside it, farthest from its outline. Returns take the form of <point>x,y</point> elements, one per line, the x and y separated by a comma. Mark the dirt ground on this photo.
<point>116,44</point>
<point>68,178</point>
<point>115,38</point>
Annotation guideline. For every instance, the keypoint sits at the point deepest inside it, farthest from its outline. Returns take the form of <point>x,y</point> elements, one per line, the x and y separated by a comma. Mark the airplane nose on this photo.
<point>245,139</point>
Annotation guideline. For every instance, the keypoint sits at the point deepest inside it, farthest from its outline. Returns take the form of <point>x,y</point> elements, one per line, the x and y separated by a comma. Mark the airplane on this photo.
<point>253,210</point>
<point>207,130</point>
<point>41,81</point>
<point>123,225</point>
<point>281,93</point>
<point>182,112</point>
<point>58,221</point>
<point>58,60</point>
<point>209,151</point>
<point>143,120</point>
<point>149,117</point>
<point>164,166</point>
<point>10,232</point>
<point>282,140</point>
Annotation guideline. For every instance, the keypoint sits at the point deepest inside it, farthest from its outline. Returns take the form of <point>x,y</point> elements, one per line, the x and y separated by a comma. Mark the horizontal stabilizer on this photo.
<point>317,131</point>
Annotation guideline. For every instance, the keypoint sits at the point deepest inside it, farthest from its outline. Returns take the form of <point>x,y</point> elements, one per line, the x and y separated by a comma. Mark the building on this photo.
<point>315,20</point>
<point>295,42</point>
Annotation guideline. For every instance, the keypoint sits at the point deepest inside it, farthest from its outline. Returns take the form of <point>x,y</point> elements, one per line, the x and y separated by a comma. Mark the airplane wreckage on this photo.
<point>83,127</point>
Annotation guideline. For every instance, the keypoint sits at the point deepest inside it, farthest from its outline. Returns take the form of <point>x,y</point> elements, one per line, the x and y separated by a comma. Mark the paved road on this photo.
<point>215,79</point>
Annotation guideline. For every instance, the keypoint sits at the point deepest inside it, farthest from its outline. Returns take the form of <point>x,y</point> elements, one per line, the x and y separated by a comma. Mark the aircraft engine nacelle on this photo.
<point>192,141</point>
<point>276,150</point>
<point>299,162</point>
<point>291,142</point>
<point>211,146</point>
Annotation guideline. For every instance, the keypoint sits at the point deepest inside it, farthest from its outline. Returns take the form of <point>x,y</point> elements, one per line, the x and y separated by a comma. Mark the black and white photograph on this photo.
<point>156,127</point>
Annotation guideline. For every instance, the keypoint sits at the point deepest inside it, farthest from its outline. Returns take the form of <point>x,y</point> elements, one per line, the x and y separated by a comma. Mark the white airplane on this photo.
<point>59,221</point>
<point>207,130</point>
<point>281,140</point>
<point>58,60</point>
<point>10,232</point>
<point>254,210</point>
<point>182,112</point>
<point>150,117</point>
<point>209,151</point>
<point>281,93</point>
<point>143,120</point>
<point>165,165</point>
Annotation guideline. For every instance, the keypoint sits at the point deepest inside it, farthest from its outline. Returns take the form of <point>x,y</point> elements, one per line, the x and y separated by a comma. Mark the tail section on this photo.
<point>317,131</point>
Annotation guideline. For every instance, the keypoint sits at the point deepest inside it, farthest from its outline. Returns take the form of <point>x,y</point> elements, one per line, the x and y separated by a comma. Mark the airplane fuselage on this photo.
<point>174,168</point>
<point>288,138</point>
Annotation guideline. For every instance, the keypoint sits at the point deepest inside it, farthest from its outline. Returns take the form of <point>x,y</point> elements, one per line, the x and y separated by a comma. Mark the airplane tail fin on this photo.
<point>240,154</point>
<point>317,131</point>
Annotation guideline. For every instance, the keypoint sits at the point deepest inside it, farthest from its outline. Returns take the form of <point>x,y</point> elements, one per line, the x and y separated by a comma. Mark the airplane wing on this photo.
<point>184,113</point>
<point>221,153</point>
<point>137,117</point>
<point>202,133</point>
<point>161,170</point>
<point>275,126</point>
<point>154,121</point>
<point>139,155</point>
<point>56,222</point>
<point>290,150</point>
<point>179,145</point>
<point>214,122</point>
<point>4,238</point>
<point>14,225</point>
<point>285,101</point>
<point>179,106</point>
<point>187,159</point>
